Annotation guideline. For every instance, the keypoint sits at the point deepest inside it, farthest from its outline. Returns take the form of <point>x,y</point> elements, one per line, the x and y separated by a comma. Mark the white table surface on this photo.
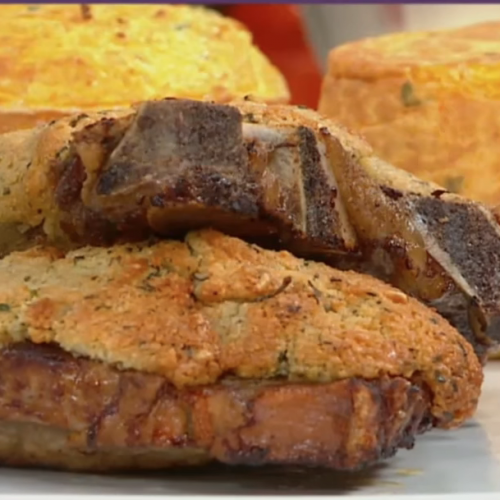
<point>465,461</point>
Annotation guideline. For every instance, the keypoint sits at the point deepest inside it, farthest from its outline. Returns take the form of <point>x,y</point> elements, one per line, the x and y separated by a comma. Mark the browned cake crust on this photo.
<point>278,175</point>
<point>61,412</point>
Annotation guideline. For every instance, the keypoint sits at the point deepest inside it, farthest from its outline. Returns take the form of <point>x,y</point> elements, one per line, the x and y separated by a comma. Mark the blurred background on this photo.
<point>297,38</point>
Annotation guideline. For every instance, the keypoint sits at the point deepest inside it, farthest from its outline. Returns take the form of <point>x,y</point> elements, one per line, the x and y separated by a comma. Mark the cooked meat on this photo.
<point>171,166</point>
<point>496,213</point>
<point>108,419</point>
<point>432,244</point>
<point>197,310</point>
<point>213,348</point>
<point>270,174</point>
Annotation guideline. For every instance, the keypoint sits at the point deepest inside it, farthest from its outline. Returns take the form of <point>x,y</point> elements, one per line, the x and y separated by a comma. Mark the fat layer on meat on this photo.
<point>277,175</point>
<point>109,419</point>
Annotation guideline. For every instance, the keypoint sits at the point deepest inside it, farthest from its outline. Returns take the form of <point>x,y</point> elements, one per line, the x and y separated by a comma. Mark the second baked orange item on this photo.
<point>428,102</point>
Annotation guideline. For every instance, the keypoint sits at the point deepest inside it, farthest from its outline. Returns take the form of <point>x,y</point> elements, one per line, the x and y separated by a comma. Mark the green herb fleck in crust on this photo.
<point>408,95</point>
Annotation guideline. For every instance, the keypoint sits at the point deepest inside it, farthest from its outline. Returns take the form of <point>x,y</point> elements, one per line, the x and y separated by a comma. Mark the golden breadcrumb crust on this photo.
<point>55,59</point>
<point>428,102</point>
<point>212,306</point>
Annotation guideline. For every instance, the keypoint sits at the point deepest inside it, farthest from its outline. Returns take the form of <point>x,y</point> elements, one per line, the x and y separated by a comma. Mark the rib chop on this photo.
<point>181,352</point>
<point>277,175</point>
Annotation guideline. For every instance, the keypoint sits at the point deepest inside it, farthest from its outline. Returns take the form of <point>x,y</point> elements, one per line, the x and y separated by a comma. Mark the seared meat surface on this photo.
<point>108,419</point>
<point>175,165</point>
<point>277,175</point>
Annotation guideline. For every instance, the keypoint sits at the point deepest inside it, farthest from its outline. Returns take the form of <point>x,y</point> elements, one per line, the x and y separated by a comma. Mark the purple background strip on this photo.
<point>217,2</point>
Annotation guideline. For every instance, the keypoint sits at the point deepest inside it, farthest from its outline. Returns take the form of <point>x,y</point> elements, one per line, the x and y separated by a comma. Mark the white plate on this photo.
<point>465,461</point>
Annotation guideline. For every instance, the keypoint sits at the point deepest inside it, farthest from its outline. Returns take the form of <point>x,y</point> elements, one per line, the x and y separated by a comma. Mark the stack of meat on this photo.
<point>184,282</point>
<point>121,348</point>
